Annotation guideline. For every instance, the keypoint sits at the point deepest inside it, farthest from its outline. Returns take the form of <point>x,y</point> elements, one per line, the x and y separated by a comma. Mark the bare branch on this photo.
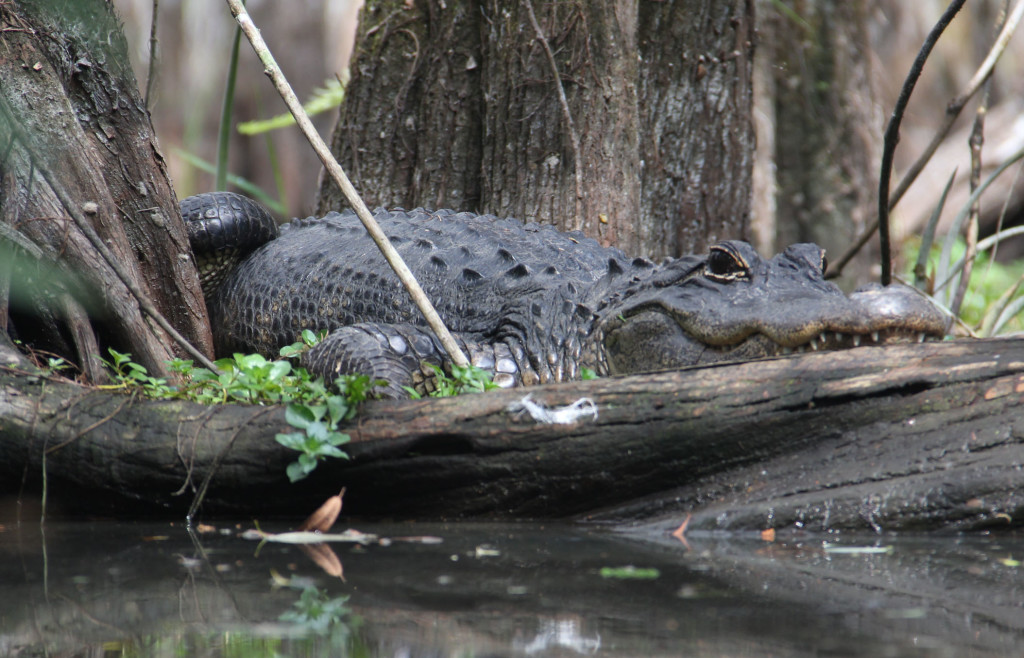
<point>332,166</point>
<point>892,133</point>
<point>971,234</point>
<point>151,73</point>
<point>569,125</point>
<point>952,112</point>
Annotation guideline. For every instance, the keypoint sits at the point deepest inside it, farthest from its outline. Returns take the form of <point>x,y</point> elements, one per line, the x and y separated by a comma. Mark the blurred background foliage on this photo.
<point>312,40</point>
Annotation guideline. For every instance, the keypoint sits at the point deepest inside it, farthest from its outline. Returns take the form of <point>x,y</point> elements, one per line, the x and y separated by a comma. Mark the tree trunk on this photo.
<point>902,437</point>
<point>817,85</point>
<point>459,105</point>
<point>70,113</point>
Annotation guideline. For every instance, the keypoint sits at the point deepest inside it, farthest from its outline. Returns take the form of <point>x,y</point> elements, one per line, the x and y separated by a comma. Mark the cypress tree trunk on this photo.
<point>459,104</point>
<point>70,112</point>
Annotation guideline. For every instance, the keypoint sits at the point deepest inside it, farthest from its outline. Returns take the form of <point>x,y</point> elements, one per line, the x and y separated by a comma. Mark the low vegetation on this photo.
<point>314,409</point>
<point>994,298</point>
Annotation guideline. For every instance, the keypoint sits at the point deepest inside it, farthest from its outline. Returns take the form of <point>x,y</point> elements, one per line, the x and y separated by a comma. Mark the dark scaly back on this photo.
<point>481,272</point>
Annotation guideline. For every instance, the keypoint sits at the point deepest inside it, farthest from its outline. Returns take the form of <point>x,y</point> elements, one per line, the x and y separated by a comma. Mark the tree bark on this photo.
<point>459,105</point>
<point>70,112</point>
<point>827,124</point>
<point>902,437</point>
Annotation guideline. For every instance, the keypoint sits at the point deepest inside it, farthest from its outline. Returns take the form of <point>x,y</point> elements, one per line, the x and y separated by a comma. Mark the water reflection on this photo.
<point>127,589</point>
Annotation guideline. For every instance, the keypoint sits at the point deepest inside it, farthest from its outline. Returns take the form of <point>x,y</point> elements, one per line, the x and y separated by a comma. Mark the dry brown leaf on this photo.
<point>322,519</point>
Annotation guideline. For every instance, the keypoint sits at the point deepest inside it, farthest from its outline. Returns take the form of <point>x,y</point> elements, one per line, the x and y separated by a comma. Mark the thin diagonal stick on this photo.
<point>332,166</point>
<point>957,104</point>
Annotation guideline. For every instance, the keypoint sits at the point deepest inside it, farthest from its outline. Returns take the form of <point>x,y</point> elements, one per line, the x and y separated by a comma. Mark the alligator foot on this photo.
<point>391,353</point>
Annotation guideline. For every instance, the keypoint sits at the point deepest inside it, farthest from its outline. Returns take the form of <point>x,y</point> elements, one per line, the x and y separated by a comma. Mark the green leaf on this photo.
<point>249,361</point>
<point>295,472</point>
<point>295,440</point>
<point>278,370</point>
<point>293,350</point>
<point>299,415</point>
<point>311,339</point>
<point>324,99</point>
<point>317,430</point>
<point>337,439</point>
<point>338,408</point>
<point>331,451</point>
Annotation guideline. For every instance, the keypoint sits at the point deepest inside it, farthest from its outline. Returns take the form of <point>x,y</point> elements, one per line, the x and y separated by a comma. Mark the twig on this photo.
<point>975,141</point>
<point>952,112</point>
<point>276,76</point>
<point>566,113</point>
<point>84,431</point>
<point>942,279</point>
<point>151,72</point>
<point>197,500</point>
<point>892,134</point>
<point>957,104</point>
<point>190,461</point>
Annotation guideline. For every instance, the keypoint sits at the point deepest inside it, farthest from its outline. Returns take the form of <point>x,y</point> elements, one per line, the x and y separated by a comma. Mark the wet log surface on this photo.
<point>902,437</point>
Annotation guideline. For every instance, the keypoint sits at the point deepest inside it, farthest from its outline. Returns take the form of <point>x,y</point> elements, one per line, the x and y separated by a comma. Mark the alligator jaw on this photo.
<point>829,340</point>
<point>659,334</point>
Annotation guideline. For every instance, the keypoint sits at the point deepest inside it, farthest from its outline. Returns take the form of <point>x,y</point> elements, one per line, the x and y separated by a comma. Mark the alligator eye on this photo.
<point>824,264</point>
<point>725,264</point>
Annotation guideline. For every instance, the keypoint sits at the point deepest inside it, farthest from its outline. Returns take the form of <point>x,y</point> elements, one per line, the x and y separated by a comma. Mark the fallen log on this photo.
<point>900,437</point>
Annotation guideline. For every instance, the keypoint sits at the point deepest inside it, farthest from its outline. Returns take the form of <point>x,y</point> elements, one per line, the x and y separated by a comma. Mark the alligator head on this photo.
<point>732,305</point>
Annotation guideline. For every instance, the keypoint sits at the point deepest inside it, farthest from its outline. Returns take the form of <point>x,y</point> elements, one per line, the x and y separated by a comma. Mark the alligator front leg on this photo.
<point>398,354</point>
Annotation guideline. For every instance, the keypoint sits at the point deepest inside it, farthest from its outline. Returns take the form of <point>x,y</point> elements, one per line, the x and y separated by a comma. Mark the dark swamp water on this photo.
<point>541,589</point>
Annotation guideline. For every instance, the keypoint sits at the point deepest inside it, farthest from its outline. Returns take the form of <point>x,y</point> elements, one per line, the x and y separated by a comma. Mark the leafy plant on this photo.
<point>253,379</point>
<point>133,376</point>
<point>56,364</point>
<point>318,614</point>
<point>992,303</point>
<point>316,441</point>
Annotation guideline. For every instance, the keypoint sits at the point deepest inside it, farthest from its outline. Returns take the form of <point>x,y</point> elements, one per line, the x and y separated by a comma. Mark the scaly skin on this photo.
<point>532,304</point>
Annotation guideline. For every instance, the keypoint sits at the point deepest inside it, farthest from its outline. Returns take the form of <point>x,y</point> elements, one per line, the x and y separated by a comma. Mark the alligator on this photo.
<point>526,302</point>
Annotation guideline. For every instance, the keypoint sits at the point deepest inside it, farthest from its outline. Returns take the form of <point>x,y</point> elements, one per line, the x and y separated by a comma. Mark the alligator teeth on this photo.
<point>921,337</point>
<point>856,340</point>
<point>787,350</point>
<point>874,336</point>
<point>814,344</point>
